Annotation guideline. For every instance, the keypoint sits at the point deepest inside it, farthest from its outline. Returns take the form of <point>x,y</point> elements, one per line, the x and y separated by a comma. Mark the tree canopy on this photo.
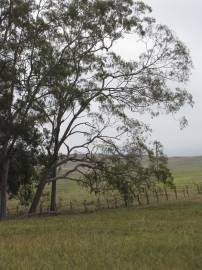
<point>61,76</point>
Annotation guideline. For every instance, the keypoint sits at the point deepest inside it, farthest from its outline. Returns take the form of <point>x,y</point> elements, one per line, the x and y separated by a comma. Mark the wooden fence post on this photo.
<point>147,196</point>
<point>17,210</point>
<point>198,189</point>
<point>175,191</point>
<point>184,194</point>
<point>71,206</point>
<point>187,191</point>
<point>41,208</point>
<point>138,199</point>
<point>98,203</point>
<point>157,195</point>
<point>108,206</point>
<point>85,206</point>
<point>166,193</point>
<point>115,202</point>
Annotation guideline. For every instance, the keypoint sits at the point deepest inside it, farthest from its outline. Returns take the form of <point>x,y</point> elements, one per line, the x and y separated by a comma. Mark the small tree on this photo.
<point>159,165</point>
<point>128,170</point>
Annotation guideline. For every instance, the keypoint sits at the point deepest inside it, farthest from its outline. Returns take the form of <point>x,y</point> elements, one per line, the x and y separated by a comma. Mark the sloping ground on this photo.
<point>186,169</point>
<point>166,237</point>
<point>183,162</point>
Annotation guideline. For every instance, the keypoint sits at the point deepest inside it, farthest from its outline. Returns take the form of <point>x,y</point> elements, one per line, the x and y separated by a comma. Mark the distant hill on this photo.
<point>186,169</point>
<point>184,162</point>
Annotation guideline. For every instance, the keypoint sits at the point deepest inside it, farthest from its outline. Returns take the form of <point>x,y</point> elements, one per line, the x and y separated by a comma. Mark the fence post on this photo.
<point>17,210</point>
<point>98,203</point>
<point>115,202</point>
<point>147,196</point>
<point>71,206</point>
<point>175,191</point>
<point>198,189</point>
<point>41,208</point>
<point>166,193</point>
<point>184,194</point>
<point>107,203</point>
<point>157,196</point>
<point>187,191</point>
<point>85,206</point>
<point>138,199</point>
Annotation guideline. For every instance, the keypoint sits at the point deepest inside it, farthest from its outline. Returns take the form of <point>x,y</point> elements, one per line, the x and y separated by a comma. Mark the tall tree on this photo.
<point>90,86</point>
<point>23,57</point>
<point>57,66</point>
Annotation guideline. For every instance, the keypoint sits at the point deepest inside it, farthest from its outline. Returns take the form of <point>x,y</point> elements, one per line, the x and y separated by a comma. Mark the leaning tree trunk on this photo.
<point>40,188</point>
<point>54,174</point>
<point>53,192</point>
<point>37,196</point>
<point>3,188</point>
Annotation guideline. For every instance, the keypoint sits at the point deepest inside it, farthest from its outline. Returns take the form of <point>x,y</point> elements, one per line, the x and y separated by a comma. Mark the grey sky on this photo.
<point>184,17</point>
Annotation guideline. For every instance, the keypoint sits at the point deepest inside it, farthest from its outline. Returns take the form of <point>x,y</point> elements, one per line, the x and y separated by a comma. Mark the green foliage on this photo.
<point>25,194</point>
<point>22,173</point>
<point>58,67</point>
<point>129,169</point>
<point>159,165</point>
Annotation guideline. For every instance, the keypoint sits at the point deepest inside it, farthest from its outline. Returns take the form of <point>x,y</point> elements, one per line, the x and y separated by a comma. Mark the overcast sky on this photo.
<point>184,17</point>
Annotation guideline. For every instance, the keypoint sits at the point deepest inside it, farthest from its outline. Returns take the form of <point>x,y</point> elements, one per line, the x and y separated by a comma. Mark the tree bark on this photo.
<point>3,188</point>
<point>53,205</point>
<point>48,173</point>
<point>37,197</point>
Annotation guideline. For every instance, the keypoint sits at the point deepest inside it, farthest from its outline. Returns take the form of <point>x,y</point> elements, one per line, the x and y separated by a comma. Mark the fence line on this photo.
<point>145,197</point>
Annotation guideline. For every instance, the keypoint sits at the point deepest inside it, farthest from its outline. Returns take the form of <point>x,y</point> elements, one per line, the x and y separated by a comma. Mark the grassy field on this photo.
<point>185,170</point>
<point>167,237</point>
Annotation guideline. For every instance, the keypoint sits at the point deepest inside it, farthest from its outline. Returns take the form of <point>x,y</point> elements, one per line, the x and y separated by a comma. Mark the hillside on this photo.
<point>176,163</point>
<point>186,169</point>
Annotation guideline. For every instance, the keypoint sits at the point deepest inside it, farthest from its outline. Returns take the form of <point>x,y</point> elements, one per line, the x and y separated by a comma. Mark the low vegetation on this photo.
<point>165,237</point>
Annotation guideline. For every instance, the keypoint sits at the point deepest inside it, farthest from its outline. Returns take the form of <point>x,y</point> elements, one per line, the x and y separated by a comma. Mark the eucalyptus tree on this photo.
<point>58,70</point>
<point>90,83</point>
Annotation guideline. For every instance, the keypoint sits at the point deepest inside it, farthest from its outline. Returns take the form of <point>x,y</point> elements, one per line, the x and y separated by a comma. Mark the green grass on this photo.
<point>167,237</point>
<point>186,169</point>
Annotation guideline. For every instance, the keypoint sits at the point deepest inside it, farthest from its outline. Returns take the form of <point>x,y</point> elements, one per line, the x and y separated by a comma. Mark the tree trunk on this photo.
<point>53,192</point>
<point>40,189</point>
<point>37,196</point>
<point>3,188</point>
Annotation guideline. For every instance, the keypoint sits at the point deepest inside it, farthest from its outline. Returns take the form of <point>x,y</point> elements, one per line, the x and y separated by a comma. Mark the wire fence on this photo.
<point>146,196</point>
